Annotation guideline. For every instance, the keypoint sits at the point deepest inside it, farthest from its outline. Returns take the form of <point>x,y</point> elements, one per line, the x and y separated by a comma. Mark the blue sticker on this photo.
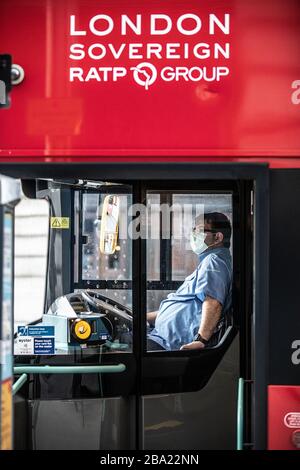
<point>36,330</point>
<point>43,345</point>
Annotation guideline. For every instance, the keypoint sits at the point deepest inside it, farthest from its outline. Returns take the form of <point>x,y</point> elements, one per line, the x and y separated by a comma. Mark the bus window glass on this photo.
<point>97,265</point>
<point>193,226</point>
<point>107,266</point>
<point>153,246</point>
<point>183,265</point>
<point>31,247</point>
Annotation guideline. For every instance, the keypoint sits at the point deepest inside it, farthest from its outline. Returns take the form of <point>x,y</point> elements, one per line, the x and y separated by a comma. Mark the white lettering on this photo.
<point>92,74</point>
<point>105,71</point>
<point>105,32</point>
<point>224,27</point>
<point>119,72</point>
<point>76,52</point>
<point>110,460</point>
<point>171,49</point>
<point>193,74</point>
<point>189,16</point>
<point>134,51</point>
<point>153,27</point>
<point>222,71</point>
<point>160,24</point>
<point>168,74</point>
<point>198,74</point>
<point>296,354</point>
<point>225,52</point>
<point>154,49</point>
<point>135,27</point>
<point>182,72</point>
<point>76,72</point>
<point>205,51</point>
<point>137,227</point>
<point>186,50</point>
<point>73,31</point>
<point>213,75</point>
<point>98,56</point>
<point>99,74</point>
<point>116,54</point>
<point>2,92</point>
<point>295,98</point>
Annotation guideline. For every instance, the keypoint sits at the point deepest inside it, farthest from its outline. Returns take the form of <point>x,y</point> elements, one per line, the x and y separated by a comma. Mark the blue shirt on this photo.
<point>179,315</point>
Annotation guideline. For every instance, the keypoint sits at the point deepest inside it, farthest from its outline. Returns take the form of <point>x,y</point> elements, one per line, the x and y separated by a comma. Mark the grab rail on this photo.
<point>240,414</point>
<point>19,383</point>
<point>111,369</point>
<point>24,370</point>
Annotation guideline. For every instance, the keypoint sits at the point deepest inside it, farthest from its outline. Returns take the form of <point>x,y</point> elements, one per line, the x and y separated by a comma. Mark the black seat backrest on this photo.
<point>225,322</point>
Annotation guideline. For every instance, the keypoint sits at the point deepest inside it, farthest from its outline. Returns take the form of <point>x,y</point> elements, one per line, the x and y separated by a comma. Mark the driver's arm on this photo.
<point>151,317</point>
<point>211,313</point>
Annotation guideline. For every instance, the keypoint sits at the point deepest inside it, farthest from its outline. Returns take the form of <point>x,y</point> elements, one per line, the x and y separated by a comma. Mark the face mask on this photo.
<point>197,242</point>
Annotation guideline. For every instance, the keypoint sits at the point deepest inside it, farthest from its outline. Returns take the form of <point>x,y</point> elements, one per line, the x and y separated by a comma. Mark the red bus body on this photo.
<point>248,114</point>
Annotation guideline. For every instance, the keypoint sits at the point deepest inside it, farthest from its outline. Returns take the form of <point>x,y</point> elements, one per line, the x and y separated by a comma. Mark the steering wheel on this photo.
<point>106,305</point>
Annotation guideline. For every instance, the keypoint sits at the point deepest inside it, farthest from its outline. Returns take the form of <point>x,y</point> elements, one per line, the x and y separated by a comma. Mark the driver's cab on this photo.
<point>94,227</point>
<point>116,250</point>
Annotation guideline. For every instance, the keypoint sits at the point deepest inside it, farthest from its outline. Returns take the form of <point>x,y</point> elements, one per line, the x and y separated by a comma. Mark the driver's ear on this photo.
<point>219,237</point>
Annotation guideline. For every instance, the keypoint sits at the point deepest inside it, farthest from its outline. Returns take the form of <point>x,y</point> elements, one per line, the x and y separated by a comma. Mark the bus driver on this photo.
<point>187,318</point>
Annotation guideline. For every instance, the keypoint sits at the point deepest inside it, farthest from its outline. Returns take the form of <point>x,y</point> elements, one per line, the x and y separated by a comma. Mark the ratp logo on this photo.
<point>144,74</point>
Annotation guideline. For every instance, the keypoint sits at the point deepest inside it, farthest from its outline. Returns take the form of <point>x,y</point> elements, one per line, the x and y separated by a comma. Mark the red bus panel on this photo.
<point>283,417</point>
<point>175,79</point>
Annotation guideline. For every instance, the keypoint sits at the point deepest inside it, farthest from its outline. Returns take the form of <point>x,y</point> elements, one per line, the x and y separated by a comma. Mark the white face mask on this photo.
<point>197,242</point>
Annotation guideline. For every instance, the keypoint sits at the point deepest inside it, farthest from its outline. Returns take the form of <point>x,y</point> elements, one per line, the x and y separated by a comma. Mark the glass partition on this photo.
<point>95,264</point>
<point>189,258</point>
<point>31,247</point>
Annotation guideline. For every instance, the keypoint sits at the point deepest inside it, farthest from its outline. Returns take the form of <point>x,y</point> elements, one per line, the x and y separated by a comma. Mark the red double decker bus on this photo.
<point>128,107</point>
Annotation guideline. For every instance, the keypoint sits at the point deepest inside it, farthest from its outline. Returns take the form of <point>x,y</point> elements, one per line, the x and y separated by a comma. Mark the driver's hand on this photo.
<point>193,345</point>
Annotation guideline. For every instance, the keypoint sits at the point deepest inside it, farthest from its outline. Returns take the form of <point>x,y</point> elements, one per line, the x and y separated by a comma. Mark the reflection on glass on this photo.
<point>195,205</point>
<point>109,225</point>
<point>153,232</point>
<point>31,245</point>
<point>155,297</point>
<point>98,265</point>
<point>121,296</point>
<point>107,256</point>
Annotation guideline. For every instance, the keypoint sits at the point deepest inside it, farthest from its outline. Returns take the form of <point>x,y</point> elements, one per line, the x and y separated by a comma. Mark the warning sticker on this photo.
<point>60,222</point>
<point>6,415</point>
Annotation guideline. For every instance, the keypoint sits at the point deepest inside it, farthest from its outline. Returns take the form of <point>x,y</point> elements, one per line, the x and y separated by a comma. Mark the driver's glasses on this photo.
<point>198,229</point>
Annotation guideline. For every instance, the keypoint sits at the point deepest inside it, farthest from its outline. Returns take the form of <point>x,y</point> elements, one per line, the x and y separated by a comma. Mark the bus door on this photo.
<point>9,196</point>
<point>183,392</point>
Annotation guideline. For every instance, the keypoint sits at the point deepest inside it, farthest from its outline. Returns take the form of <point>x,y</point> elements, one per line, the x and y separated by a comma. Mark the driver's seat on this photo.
<point>225,323</point>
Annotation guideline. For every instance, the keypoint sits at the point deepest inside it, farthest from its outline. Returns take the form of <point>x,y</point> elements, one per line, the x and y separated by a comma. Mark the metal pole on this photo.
<point>240,415</point>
